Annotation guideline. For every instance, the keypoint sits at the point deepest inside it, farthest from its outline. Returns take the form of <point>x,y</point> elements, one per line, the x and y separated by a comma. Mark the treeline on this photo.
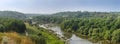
<point>12,14</point>
<point>95,28</point>
<point>61,16</point>
<point>85,14</point>
<point>48,19</point>
<point>12,25</point>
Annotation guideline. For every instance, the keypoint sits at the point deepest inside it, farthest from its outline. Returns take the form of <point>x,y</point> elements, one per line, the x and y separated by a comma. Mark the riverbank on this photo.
<point>68,37</point>
<point>55,30</point>
<point>49,37</point>
<point>94,40</point>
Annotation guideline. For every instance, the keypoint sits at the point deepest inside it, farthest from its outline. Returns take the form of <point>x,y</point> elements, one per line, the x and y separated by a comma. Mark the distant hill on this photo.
<point>79,14</point>
<point>12,14</point>
<point>32,14</point>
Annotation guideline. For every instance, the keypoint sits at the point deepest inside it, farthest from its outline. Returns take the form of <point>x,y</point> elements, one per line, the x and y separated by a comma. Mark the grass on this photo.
<point>50,37</point>
<point>15,38</point>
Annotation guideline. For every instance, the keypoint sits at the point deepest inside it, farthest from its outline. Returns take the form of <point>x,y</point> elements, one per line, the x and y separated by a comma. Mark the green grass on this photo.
<point>49,37</point>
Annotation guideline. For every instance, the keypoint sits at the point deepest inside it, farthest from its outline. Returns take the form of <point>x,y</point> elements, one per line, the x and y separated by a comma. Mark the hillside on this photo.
<point>12,14</point>
<point>14,31</point>
<point>79,14</point>
<point>33,14</point>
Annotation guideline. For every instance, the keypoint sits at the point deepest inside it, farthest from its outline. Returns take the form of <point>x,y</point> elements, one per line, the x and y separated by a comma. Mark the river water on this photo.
<point>73,40</point>
<point>76,40</point>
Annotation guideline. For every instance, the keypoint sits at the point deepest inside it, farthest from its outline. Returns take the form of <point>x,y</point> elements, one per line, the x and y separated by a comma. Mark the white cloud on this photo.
<point>51,6</point>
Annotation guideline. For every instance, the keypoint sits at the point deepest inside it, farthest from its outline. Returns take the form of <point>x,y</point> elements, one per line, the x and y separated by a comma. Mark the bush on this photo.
<point>116,36</point>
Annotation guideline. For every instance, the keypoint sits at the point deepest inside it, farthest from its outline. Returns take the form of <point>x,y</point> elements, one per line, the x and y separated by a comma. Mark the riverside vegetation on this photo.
<point>19,32</point>
<point>101,27</point>
<point>14,29</point>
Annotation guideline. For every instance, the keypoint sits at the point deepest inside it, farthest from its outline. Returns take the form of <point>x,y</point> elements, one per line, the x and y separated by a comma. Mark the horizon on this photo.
<point>60,11</point>
<point>55,6</point>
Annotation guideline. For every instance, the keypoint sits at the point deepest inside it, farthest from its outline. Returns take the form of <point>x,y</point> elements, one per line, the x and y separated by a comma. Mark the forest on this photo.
<point>95,26</point>
<point>9,25</point>
<point>96,29</point>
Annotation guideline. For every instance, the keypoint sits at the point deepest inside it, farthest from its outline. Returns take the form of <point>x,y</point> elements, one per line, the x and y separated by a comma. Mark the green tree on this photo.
<point>116,35</point>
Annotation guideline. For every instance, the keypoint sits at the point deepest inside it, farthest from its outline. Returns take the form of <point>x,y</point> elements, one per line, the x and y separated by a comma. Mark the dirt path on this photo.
<point>7,40</point>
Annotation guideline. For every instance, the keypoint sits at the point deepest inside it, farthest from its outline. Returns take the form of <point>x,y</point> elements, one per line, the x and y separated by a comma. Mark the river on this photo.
<point>73,40</point>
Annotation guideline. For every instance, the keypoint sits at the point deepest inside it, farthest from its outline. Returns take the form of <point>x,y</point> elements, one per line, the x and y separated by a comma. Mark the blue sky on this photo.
<point>52,6</point>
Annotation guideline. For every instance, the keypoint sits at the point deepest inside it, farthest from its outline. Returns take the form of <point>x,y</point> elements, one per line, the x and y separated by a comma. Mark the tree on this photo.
<point>9,24</point>
<point>95,34</point>
<point>116,35</point>
<point>107,35</point>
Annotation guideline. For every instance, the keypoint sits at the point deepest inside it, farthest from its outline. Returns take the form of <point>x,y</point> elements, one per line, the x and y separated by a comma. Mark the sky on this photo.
<point>53,6</point>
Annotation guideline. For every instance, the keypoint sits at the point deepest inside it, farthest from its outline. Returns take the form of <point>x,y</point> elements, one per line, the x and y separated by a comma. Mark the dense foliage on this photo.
<point>9,25</point>
<point>95,28</point>
<point>95,25</point>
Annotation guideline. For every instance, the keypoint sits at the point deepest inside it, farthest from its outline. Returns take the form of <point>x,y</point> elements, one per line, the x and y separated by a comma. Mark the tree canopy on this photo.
<point>9,24</point>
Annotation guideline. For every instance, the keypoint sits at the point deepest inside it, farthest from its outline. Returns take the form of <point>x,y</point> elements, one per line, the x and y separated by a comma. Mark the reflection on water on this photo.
<point>73,40</point>
<point>76,40</point>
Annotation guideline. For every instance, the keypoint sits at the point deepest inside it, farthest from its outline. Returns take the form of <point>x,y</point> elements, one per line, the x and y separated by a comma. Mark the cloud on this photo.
<point>50,6</point>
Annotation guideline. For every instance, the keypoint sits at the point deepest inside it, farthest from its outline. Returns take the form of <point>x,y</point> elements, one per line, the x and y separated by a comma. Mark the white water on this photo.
<point>73,40</point>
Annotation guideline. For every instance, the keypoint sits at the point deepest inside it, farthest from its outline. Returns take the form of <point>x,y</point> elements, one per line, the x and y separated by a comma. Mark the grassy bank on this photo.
<point>49,37</point>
